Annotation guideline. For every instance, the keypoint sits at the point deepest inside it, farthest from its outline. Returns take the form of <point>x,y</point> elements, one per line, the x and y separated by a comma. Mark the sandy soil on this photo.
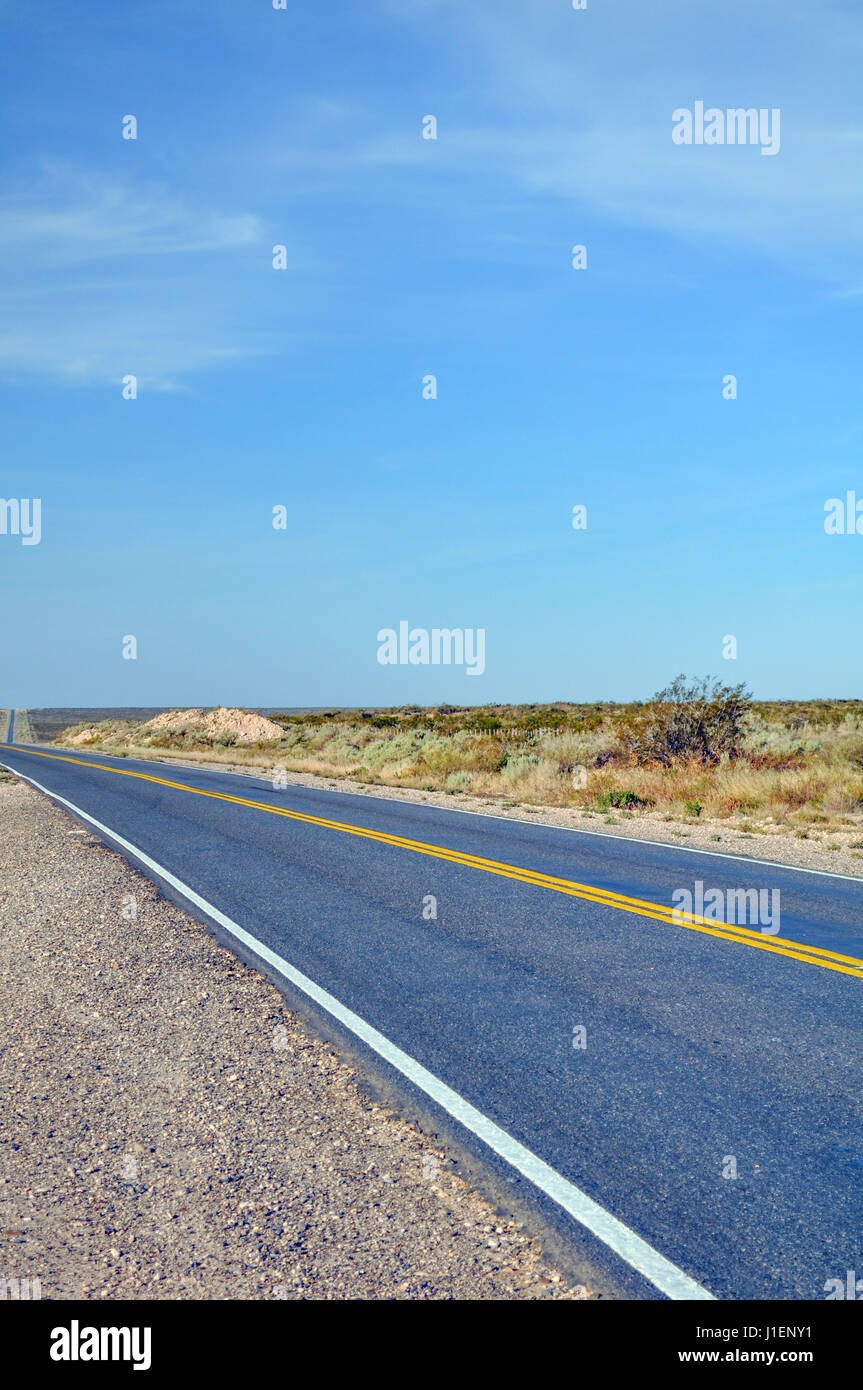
<point>244,726</point>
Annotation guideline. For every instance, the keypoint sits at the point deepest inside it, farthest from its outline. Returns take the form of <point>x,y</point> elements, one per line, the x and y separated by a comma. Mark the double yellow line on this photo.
<point>744,936</point>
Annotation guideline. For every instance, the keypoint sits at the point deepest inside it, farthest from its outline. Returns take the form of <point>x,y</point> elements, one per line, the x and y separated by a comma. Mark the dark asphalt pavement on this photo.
<point>699,1050</point>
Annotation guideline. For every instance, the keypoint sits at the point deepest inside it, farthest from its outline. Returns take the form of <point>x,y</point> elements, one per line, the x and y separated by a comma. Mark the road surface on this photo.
<point>680,1103</point>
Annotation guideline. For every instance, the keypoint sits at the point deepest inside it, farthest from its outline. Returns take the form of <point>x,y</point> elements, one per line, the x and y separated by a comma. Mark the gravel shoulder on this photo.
<point>171,1130</point>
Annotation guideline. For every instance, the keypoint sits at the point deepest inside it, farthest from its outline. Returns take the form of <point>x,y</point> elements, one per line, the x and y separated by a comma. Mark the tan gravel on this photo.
<point>171,1130</point>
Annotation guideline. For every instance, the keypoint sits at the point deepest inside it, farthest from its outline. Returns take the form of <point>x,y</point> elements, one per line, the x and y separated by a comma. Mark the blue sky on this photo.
<point>406,256</point>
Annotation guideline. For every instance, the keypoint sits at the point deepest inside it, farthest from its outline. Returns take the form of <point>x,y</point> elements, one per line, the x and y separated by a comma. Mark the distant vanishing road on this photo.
<point>705,1051</point>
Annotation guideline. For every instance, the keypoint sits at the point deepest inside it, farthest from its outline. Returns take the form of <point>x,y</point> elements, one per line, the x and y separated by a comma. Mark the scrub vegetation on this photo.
<point>698,749</point>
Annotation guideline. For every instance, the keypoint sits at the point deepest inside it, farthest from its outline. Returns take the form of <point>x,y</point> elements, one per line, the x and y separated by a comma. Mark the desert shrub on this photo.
<point>520,766</point>
<point>463,753</point>
<point>700,719</point>
<point>570,749</point>
<point>622,800</point>
<point>458,781</point>
<point>397,749</point>
<point>768,760</point>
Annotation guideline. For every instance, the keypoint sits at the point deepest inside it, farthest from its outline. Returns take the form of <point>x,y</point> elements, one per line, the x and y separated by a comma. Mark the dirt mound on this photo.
<point>104,731</point>
<point>213,724</point>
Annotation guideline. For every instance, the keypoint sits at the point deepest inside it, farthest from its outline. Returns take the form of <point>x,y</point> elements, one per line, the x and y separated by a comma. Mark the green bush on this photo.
<point>621,800</point>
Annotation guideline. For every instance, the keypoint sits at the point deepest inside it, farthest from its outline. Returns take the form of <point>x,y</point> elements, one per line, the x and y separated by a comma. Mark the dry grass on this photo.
<point>800,766</point>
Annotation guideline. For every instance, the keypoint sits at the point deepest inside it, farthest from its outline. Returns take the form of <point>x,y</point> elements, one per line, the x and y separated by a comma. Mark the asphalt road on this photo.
<point>706,1055</point>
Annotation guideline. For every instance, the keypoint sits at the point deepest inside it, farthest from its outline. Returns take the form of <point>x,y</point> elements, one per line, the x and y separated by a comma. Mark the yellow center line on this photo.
<point>640,907</point>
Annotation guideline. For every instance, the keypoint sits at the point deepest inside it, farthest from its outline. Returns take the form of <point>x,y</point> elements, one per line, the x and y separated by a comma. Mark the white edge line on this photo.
<point>490,815</point>
<point>640,1256</point>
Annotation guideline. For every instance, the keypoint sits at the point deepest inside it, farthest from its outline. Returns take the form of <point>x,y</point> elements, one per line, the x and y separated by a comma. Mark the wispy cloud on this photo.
<point>105,276</point>
<point>102,280</point>
<point>578,105</point>
<point>92,219</point>
<point>102,337</point>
